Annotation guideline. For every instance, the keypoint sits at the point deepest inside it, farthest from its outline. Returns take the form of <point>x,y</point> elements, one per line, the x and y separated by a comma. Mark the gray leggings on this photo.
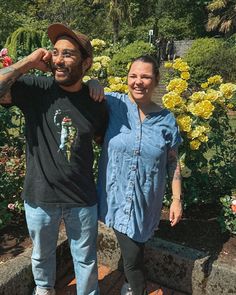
<point>133,261</point>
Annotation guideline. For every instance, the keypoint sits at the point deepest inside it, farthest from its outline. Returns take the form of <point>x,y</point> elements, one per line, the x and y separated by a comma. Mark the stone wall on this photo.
<point>182,46</point>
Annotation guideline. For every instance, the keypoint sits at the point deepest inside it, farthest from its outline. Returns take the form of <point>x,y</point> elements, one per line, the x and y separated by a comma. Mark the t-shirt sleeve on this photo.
<point>21,91</point>
<point>28,91</point>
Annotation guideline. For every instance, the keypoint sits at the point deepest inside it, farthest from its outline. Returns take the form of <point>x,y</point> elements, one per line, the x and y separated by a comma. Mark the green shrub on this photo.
<point>227,218</point>
<point>12,163</point>
<point>211,56</point>
<point>120,60</point>
<point>231,41</point>
<point>23,41</point>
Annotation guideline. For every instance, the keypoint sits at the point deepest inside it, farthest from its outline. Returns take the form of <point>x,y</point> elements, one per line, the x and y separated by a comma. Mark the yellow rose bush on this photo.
<point>209,141</point>
<point>100,70</point>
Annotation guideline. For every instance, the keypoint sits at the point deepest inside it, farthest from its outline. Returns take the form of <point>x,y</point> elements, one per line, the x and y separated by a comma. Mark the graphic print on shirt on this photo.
<point>67,132</point>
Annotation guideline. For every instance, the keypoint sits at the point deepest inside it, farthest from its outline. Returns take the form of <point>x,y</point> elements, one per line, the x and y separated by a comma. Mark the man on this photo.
<point>61,122</point>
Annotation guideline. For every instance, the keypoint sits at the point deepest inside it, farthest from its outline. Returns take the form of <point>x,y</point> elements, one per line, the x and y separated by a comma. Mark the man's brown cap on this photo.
<point>58,30</point>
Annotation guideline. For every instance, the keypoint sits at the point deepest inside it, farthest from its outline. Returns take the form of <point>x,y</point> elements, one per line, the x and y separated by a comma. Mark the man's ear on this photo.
<point>87,63</point>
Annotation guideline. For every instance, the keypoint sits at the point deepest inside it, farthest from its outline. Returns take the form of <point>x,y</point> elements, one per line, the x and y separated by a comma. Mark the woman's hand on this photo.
<point>96,90</point>
<point>176,210</point>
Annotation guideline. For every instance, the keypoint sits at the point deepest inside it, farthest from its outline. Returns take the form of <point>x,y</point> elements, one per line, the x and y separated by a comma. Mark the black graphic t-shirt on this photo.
<point>60,127</point>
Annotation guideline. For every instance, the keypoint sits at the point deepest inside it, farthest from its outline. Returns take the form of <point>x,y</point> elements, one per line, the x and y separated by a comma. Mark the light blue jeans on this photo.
<point>81,227</point>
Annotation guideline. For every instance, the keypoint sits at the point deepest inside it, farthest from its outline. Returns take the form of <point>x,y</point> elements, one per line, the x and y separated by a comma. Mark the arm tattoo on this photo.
<point>6,83</point>
<point>6,70</point>
<point>173,165</point>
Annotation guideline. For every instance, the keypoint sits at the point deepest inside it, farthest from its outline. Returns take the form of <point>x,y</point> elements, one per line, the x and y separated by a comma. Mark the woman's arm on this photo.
<point>174,174</point>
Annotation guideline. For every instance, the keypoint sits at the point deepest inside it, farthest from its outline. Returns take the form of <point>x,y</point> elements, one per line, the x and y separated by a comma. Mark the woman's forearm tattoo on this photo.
<point>173,165</point>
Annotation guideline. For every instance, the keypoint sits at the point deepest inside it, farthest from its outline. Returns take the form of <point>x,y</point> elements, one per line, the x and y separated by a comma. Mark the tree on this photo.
<point>11,17</point>
<point>117,11</point>
<point>188,18</point>
<point>222,16</point>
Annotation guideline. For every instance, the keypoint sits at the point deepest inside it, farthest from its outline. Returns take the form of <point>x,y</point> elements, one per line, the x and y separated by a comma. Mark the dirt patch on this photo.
<point>14,239</point>
<point>198,229</point>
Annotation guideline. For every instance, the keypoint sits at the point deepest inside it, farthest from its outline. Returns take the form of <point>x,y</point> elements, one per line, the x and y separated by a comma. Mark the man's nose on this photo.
<point>58,59</point>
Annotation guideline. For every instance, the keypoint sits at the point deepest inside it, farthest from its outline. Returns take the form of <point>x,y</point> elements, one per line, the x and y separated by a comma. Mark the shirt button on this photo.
<point>133,168</point>
<point>136,152</point>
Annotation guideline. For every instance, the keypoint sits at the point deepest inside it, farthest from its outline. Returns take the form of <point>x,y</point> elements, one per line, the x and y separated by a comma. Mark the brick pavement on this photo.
<point>110,283</point>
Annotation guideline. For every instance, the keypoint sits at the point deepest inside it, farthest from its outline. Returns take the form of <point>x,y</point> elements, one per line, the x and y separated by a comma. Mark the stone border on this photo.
<point>169,264</point>
<point>175,266</point>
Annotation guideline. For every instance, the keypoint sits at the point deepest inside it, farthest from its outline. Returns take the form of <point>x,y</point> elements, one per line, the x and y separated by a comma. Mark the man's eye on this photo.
<point>54,53</point>
<point>67,54</point>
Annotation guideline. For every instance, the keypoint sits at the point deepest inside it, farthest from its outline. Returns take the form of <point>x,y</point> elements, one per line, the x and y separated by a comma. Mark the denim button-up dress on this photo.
<point>132,167</point>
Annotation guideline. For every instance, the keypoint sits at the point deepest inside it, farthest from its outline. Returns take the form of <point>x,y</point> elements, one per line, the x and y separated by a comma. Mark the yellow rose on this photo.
<point>202,109</point>
<point>184,122</point>
<point>183,67</point>
<point>213,95</point>
<point>228,89</point>
<point>195,144</point>
<point>198,96</point>
<point>98,43</point>
<point>197,132</point>
<point>178,85</point>
<point>104,60</point>
<point>217,79</point>
<point>204,85</point>
<point>171,100</point>
<point>230,106</point>
<point>203,138</point>
<point>193,134</point>
<point>185,75</point>
<point>96,66</point>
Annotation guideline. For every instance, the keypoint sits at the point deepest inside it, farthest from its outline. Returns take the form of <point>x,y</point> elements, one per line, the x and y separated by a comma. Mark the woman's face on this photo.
<point>141,81</point>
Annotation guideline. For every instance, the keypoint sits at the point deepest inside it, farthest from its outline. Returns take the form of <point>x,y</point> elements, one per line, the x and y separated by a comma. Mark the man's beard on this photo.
<point>71,77</point>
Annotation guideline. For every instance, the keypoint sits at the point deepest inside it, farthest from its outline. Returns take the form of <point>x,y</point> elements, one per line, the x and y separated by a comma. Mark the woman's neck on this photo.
<point>146,108</point>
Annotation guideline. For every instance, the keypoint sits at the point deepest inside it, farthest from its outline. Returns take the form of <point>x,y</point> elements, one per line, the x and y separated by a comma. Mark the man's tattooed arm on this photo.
<point>38,59</point>
<point>7,77</point>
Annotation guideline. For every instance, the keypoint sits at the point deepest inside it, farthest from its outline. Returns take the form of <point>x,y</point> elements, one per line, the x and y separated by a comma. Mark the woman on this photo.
<point>140,146</point>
